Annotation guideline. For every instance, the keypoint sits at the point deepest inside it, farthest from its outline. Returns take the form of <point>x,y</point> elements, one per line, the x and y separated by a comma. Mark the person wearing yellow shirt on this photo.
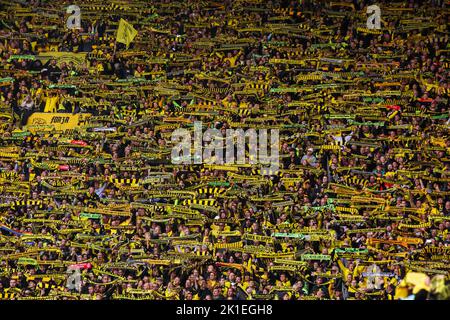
<point>169,231</point>
<point>139,72</point>
<point>100,68</point>
<point>228,101</point>
<point>390,292</point>
<point>51,103</point>
<point>283,282</point>
<point>171,292</point>
<point>36,91</point>
<point>225,285</point>
<point>352,288</point>
<point>351,270</point>
<point>232,59</point>
<point>212,281</point>
<point>215,229</point>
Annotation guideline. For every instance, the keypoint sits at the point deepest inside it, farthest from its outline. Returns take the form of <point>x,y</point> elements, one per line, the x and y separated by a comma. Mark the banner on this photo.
<point>41,121</point>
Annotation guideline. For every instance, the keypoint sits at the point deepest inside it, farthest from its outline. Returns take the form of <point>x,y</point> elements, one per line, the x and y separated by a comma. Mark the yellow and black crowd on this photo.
<point>92,208</point>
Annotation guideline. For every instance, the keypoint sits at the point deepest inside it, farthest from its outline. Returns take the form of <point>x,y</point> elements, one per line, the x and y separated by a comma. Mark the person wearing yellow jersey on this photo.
<point>283,281</point>
<point>171,293</point>
<point>139,72</point>
<point>226,102</point>
<point>352,270</point>
<point>51,102</point>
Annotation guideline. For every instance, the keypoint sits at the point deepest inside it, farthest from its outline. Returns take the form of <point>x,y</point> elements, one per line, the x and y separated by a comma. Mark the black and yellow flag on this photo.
<point>125,33</point>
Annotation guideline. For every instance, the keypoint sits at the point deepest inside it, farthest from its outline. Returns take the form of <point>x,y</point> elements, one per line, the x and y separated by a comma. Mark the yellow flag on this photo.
<point>125,33</point>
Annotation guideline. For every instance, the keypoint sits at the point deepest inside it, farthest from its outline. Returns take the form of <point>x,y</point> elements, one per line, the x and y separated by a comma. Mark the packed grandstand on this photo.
<point>92,205</point>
